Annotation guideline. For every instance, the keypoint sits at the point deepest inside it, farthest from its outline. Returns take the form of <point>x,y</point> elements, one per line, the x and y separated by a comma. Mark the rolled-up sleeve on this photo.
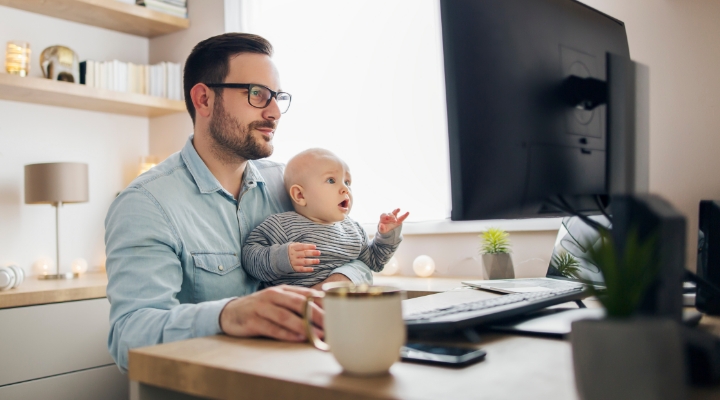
<point>356,271</point>
<point>144,278</point>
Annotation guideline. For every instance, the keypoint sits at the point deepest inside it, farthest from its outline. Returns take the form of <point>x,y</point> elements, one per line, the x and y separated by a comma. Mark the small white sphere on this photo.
<point>79,266</point>
<point>424,266</point>
<point>44,266</point>
<point>391,268</point>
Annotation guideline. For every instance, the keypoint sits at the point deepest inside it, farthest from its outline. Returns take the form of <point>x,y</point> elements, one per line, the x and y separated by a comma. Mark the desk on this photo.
<point>516,367</point>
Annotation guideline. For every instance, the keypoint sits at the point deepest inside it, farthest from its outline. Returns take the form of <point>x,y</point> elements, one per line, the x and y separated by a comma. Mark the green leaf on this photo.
<point>627,276</point>
<point>494,241</point>
<point>566,264</point>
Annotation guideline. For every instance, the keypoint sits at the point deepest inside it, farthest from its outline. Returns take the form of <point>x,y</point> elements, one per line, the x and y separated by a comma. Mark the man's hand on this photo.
<point>274,312</point>
<point>332,278</point>
<point>299,253</point>
<point>390,221</point>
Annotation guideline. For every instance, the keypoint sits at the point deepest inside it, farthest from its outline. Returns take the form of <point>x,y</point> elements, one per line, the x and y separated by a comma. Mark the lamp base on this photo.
<point>67,275</point>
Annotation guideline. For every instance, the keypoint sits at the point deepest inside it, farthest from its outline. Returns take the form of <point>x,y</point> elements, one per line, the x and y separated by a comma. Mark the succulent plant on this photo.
<point>494,241</point>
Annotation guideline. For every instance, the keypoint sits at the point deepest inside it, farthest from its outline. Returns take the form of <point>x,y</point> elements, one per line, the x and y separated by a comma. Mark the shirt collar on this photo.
<point>205,180</point>
<point>252,175</point>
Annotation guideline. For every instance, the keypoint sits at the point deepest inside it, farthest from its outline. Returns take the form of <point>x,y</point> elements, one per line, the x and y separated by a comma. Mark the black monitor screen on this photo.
<point>514,142</point>
<point>708,262</point>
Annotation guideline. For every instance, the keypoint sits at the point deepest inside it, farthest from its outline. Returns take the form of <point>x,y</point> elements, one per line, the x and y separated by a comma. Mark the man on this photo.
<point>174,235</point>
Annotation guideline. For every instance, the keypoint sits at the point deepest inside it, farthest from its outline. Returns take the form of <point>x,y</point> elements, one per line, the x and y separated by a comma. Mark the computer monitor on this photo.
<point>708,262</point>
<point>516,143</point>
<point>547,115</point>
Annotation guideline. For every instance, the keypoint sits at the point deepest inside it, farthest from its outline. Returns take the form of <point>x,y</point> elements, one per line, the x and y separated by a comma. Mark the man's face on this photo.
<point>237,128</point>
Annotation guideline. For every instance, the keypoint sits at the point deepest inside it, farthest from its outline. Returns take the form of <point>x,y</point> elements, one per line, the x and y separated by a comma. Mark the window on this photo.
<point>367,83</point>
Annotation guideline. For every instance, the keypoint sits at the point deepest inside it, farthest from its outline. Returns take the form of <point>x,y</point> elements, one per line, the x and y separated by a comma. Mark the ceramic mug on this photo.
<point>364,329</point>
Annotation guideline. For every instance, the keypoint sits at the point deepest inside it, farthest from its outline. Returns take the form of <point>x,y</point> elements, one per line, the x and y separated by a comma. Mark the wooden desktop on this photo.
<point>222,367</point>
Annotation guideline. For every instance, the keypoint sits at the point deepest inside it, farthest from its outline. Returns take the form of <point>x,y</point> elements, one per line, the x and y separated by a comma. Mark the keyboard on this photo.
<point>470,314</point>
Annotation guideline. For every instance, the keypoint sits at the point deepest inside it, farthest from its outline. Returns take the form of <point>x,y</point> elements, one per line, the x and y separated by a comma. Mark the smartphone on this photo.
<point>450,356</point>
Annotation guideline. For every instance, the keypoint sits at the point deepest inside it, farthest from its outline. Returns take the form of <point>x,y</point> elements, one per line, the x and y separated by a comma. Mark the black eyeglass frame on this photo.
<point>247,86</point>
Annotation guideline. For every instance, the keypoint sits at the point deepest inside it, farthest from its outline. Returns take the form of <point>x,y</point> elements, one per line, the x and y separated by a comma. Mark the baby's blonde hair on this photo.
<point>298,165</point>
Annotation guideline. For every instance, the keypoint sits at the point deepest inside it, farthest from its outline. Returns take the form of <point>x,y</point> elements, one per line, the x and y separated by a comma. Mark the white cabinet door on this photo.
<point>52,339</point>
<point>106,383</point>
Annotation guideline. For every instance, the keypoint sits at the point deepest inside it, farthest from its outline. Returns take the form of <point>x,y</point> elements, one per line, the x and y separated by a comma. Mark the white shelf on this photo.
<point>108,14</point>
<point>72,95</point>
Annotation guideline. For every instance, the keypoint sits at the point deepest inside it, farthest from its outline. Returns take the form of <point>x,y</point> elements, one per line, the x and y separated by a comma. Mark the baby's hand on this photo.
<point>298,254</point>
<point>390,221</point>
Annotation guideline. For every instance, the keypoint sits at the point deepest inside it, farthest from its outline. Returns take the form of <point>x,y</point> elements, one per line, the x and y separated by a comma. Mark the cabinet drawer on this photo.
<point>106,383</point>
<point>51,339</point>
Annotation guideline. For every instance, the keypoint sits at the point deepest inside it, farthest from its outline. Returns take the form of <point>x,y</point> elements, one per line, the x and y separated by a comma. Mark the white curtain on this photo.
<point>367,83</point>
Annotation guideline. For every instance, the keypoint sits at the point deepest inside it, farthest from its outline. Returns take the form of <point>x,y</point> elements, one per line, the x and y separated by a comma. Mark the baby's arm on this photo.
<point>390,221</point>
<point>377,252</point>
<point>268,255</point>
<point>299,255</point>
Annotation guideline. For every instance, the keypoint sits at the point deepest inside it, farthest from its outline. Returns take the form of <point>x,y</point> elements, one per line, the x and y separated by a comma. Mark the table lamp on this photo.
<point>56,183</point>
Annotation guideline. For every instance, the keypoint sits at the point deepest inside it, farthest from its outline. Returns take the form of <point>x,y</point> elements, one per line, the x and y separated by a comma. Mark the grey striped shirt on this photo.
<point>265,254</point>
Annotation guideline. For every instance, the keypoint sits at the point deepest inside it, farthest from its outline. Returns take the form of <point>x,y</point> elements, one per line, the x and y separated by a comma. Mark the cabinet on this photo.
<point>58,351</point>
<point>109,14</point>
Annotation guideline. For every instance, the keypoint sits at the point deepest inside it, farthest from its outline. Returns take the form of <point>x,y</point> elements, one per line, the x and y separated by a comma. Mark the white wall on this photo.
<point>457,254</point>
<point>168,134</point>
<point>680,41</point>
<point>111,144</point>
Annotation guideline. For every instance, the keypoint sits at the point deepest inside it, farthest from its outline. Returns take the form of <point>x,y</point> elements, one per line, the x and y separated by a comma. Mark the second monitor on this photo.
<point>515,140</point>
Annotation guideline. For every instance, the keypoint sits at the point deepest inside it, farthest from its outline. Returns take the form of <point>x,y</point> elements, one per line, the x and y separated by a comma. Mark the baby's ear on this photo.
<point>297,196</point>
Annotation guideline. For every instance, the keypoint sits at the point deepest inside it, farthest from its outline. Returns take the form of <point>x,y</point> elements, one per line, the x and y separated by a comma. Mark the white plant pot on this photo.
<point>498,266</point>
<point>635,358</point>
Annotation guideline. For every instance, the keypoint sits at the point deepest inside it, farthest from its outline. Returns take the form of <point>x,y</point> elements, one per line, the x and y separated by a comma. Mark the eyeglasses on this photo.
<point>259,96</point>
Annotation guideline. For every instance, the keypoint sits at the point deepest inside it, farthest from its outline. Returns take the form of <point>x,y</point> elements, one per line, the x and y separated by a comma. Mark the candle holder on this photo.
<point>17,58</point>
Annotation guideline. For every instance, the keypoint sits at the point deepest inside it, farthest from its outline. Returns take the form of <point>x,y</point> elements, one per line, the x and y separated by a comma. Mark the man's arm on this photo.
<point>355,271</point>
<point>144,277</point>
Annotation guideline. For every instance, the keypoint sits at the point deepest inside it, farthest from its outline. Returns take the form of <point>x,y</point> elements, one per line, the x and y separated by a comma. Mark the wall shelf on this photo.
<point>109,14</point>
<point>64,94</point>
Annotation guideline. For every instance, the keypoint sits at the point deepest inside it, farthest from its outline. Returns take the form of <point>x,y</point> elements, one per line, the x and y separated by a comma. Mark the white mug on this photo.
<point>364,328</point>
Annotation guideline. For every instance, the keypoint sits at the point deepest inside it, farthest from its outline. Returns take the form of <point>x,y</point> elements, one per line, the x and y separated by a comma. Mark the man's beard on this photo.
<point>232,140</point>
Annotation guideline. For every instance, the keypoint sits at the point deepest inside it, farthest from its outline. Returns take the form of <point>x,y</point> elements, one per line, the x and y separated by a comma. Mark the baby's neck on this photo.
<point>316,219</point>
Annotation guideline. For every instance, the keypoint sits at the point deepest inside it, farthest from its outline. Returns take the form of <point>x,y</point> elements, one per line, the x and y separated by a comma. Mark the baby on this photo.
<point>304,246</point>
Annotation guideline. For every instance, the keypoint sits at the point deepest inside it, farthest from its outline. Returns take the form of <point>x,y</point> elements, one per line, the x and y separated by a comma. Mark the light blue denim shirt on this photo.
<point>173,241</point>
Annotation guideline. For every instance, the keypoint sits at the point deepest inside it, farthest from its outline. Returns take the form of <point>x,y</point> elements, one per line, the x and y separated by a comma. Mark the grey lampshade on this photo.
<point>49,183</point>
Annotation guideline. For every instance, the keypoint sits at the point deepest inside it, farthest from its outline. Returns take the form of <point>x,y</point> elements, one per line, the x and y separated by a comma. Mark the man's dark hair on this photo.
<point>209,61</point>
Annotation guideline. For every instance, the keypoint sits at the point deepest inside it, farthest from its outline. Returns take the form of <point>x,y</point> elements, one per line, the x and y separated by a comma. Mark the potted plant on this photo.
<point>495,251</point>
<point>626,356</point>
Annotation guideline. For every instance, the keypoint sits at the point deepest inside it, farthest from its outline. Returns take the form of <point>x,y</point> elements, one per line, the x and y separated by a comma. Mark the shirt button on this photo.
<point>220,267</point>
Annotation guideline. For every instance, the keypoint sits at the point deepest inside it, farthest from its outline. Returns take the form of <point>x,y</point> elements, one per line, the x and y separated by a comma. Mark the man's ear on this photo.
<point>297,196</point>
<point>202,99</point>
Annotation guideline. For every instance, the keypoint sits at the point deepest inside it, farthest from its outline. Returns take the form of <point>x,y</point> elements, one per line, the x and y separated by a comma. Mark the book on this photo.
<point>164,7</point>
<point>83,70</point>
<point>162,80</point>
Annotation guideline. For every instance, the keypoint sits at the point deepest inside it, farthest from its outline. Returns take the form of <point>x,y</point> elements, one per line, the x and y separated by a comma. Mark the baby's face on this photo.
<point>327,190</point>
